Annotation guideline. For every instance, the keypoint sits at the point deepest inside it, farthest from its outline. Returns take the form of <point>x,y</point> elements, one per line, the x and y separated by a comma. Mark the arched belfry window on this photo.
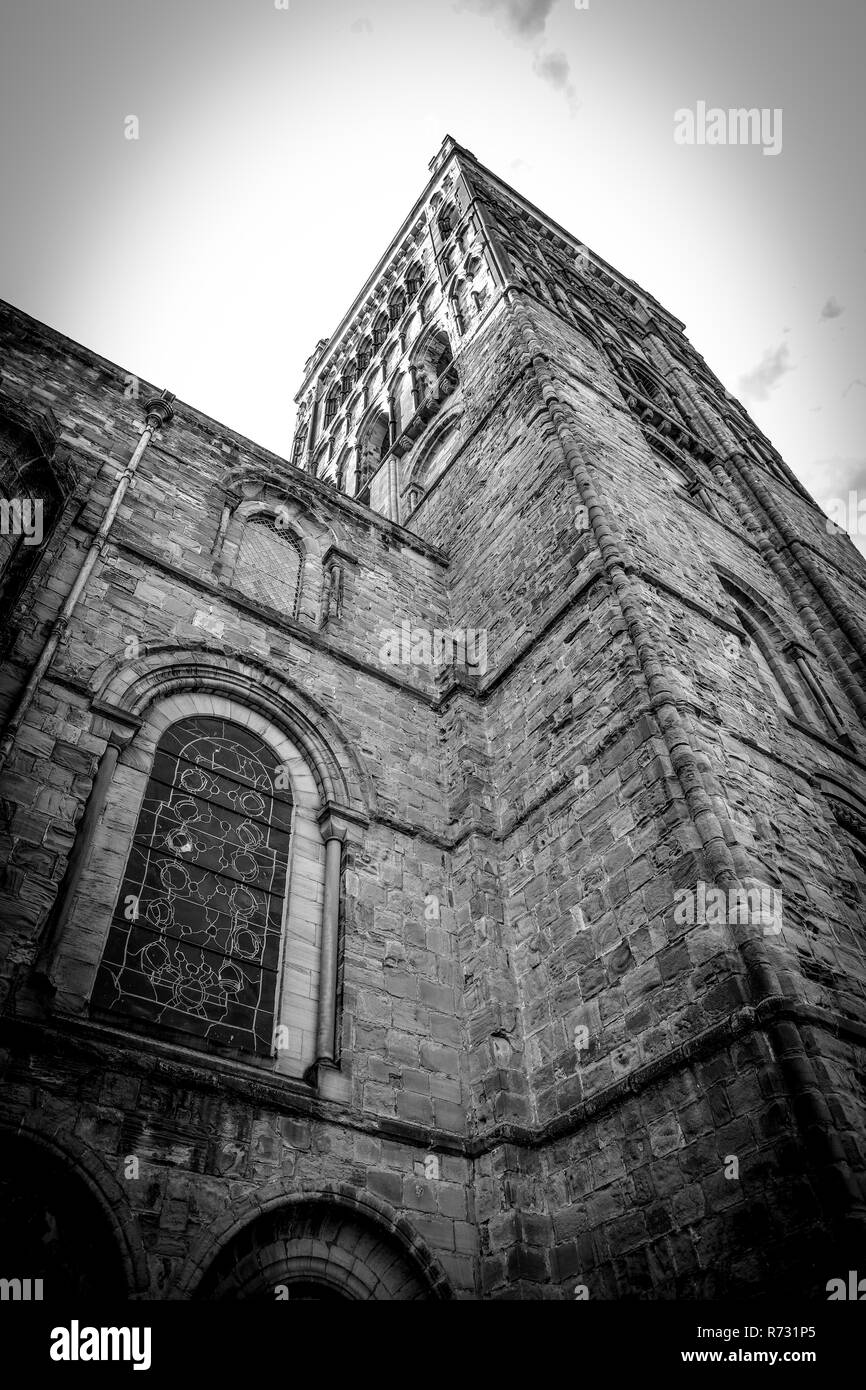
<point>414,280</point>
<point>373,446</point>
<point>396,307</point>
<point>194,943</point>
<point>269,564</point>
<point>380,330</point>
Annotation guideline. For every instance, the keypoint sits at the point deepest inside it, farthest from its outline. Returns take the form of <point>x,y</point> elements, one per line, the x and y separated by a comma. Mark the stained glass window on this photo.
<point>269,565</point>
<point>195,940</point>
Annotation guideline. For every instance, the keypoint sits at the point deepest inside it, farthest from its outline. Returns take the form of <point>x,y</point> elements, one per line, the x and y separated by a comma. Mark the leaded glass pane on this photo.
<point>195,940</point>
<point>269,566</point>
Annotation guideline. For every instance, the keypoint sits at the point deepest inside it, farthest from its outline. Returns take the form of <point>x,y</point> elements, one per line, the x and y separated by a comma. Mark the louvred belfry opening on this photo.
<point>194,943</point>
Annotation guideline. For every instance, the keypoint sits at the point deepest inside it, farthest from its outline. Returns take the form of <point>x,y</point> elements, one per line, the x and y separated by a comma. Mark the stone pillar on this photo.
<point>325,1073</point>
<point>333,835</point>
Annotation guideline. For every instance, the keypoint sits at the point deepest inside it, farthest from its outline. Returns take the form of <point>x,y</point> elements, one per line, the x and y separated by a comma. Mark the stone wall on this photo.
<point>548,1083</point>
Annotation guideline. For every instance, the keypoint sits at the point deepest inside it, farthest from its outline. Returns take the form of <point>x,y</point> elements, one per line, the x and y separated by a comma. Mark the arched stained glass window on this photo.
<point>269,565</point>
<point>194,944</point>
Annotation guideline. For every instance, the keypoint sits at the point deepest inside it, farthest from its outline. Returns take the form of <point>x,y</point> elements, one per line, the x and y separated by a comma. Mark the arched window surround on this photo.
<point>776,644</point>
<point>381,329</point>
<point>322,777</point>
<point>374,441</point>
<point>200,956</point>
<point>310,533</point>
<point>435,452</point>
<point>332,404</point>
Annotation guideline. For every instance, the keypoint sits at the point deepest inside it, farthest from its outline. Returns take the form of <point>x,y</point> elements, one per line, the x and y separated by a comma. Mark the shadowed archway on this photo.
<point>53,1228</point>
<point>315,1249</point>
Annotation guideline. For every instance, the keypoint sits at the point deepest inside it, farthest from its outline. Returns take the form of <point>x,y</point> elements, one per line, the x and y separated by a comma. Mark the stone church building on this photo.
<point>435,866</point>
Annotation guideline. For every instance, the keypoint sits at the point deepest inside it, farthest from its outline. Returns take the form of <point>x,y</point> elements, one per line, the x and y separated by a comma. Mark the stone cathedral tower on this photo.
<point>436,867</point>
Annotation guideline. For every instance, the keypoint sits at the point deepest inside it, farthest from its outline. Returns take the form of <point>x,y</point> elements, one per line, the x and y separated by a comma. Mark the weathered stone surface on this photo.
<point>544,1075</point>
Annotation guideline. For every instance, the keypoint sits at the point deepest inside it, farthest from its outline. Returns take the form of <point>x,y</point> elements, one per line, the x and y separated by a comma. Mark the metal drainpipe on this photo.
<point>158,412</point>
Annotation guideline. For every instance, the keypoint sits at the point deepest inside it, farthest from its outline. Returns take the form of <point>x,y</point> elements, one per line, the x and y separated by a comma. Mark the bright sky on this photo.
<point>279,150</point>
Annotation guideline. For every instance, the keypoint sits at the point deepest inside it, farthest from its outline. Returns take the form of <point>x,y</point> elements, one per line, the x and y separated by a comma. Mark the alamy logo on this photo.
<point>855,1290</point>
<point>847,516</point>
<point>76,1343</point>
<point>709,906</point>
<point>408,646</point>
<point>21,1290</point>
<point>22,516</point>
<point>739,126</point>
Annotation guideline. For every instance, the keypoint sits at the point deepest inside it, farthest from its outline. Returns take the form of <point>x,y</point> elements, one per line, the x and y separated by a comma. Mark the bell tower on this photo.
<point>656,786</point>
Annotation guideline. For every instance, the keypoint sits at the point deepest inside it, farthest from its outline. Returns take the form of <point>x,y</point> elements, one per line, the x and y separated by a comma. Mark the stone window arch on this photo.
<point>373,444</point>
<point>332,404</point>
<point>445,221</point>
<point>348,379</point>
<point>401,398</point>
<point>396,306</point>
<point>299,752</point>
<point>785,686</point>
<point>430,362</point>
<point>270,563</point>
<point>461,304</point>
<point>299,445</point>
<point>435,453</point>
<point>195,941</point>
<point>343,464</point>
<point>365,352</point>
<point>414,280</point>
<point>767,670</point>
<point>381,329</point>
<point>426,303</point>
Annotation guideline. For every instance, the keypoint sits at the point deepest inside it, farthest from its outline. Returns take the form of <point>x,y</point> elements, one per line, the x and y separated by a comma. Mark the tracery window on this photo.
<point>332,405</point>
<point>194,943</point>
<point>269,564</point>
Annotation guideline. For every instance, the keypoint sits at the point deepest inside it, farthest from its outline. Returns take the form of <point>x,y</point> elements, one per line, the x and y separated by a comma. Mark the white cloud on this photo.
<point>757,384</point>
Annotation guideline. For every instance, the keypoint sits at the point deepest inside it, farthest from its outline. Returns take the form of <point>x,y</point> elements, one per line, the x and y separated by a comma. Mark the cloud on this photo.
<point>856,382</point>
<point>525,18</point>
<point>362,26</point>
<point>554,68</point>
<point>757,384</point>
<point>832,309</point>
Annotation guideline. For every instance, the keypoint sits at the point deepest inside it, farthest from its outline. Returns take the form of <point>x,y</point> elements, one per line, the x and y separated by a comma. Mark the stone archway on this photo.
<point>53,1228</point>
<point>315,1249</point>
